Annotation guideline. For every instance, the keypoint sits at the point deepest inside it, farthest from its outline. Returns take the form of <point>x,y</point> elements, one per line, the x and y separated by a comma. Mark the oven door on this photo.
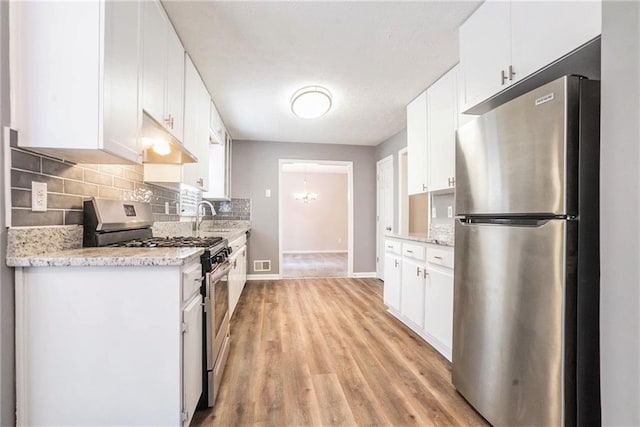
<point>217,311</point>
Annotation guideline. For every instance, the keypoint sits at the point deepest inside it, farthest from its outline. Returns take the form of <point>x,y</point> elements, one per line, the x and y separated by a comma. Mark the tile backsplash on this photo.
<point>68,184</point>
<point>234,209</point>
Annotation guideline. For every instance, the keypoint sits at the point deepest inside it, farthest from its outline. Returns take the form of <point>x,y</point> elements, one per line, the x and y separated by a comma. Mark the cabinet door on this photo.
<point>417,173</point>
<point>196,129</point>
<point>545,31</point>
<point>441,134</point>
<point>485,50</point>
<point>392,277</point>
<point>192,356</point>
<point>412,291</point>
<point>174,102</point>
<point>154,59</point>
<point>234,284</point>
<point>438,311</point>
<point>122,51</point>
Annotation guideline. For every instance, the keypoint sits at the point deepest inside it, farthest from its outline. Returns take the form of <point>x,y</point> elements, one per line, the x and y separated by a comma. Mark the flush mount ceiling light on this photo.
<point>311,102</point>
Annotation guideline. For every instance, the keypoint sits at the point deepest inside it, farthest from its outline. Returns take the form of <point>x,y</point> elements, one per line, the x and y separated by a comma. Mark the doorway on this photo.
<point>315,218</point>
<point>384,208</point>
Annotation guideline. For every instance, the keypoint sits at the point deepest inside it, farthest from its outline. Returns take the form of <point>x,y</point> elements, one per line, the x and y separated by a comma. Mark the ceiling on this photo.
<point>374,57</point>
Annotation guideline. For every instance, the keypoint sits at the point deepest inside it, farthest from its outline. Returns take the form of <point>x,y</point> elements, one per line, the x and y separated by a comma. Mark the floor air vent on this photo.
<point>262,265</point>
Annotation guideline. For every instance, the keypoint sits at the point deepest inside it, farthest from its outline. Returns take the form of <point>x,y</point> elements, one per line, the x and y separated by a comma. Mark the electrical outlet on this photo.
<point>166,208</point>
<point>38,196</point>
<point>433,213</point>
<point>450,211</point>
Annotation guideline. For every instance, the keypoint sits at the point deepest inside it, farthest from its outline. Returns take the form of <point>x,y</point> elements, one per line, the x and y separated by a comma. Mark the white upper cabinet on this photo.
<point>216,126</point>
<point>485,50</point>
<point>81,106</point>
<point>417,147</point>
<point>441,135</point>
<point>220,170</point>
<point>197,107</point>
<point>163,70</point>
<point>505,42</point>
<point>542,32</point>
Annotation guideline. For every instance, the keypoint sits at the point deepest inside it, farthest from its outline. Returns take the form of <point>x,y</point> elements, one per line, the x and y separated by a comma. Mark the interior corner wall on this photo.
<point>386,148</point>
<point>7,341</point>
<point>320,225</point>
<point>619,207</point>
<point>255,170</point>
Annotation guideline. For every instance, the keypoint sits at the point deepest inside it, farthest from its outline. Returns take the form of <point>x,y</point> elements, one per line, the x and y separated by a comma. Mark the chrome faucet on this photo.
<point>200,218</point>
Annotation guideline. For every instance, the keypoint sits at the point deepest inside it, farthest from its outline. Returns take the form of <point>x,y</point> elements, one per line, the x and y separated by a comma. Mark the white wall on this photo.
<point>620,207</point>
<point>320,225</point>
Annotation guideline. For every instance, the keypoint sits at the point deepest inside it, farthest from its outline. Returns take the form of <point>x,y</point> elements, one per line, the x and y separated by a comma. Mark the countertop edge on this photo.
<point>72,259</point>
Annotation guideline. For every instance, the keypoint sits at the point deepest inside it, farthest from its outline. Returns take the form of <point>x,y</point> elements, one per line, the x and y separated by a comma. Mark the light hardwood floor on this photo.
<point>314,265</point>
<point>325,352</point>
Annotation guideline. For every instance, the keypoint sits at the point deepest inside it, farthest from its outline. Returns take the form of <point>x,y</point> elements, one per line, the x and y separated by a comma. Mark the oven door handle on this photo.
<point>220,272</point>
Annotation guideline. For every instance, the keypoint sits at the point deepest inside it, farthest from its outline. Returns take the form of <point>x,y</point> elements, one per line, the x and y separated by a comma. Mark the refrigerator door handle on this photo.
<point>509,222</point>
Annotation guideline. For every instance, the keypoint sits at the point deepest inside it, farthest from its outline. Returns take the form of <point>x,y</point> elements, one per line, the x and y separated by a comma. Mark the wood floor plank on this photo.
<point>326,352</point>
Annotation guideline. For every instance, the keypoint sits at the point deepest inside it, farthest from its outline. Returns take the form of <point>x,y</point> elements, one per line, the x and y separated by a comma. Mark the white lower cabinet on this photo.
<point>418,289</point>
<point>118,345</point>
<point>438,310</point>
<point>412,294</point>
<point>238,273</point>
<point>392,274</point>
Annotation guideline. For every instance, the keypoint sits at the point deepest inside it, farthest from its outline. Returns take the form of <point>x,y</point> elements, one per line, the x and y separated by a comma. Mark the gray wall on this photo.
<point>620,203</point>
<point>255,168</point>
<point>7,342</point>
<point>391,146</point>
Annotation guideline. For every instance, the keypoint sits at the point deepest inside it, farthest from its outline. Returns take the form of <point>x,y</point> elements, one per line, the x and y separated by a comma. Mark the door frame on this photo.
<point>350,228</point>
<point>380,256</point>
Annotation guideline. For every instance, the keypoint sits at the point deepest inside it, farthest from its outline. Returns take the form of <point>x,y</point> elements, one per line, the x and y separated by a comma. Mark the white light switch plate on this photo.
<point>38,196</point>
<point>166,208</point>
<point>450,211</point>
<point>267,192</point>
<point>433,213</point>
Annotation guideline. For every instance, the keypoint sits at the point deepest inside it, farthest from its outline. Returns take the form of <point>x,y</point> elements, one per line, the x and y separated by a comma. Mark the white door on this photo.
<point>384,208</point>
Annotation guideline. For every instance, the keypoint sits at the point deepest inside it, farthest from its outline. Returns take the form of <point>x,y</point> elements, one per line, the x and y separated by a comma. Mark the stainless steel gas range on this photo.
<point>118,223</point>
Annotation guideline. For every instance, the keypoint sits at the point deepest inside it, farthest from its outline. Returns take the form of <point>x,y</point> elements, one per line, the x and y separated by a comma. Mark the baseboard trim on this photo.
<point>263,277</point>
<point>365,275</point>
<point>314,252</point>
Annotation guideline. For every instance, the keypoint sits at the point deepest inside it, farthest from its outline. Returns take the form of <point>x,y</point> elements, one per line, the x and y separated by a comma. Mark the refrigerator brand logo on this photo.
<point>544,99</point>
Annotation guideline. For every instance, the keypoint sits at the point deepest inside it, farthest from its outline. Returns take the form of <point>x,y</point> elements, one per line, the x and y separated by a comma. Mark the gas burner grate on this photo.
<point>170,242</point>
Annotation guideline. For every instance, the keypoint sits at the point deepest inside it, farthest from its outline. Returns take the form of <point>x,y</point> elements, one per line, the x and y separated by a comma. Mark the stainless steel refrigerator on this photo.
<point>525,328</point>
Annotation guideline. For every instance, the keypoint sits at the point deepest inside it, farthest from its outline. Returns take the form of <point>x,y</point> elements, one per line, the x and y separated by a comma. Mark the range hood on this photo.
<point>159,146</point>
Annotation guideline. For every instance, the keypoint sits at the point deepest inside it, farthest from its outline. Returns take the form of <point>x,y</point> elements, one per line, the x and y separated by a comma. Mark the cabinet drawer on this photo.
<point>393,246</point>
<point>413,250</point>
<point>191,280</point>
<point>238,243</point>
<point>440,257</point>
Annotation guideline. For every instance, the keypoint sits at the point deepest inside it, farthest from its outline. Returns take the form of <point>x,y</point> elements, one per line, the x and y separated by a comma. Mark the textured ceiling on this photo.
<point>374,57</point>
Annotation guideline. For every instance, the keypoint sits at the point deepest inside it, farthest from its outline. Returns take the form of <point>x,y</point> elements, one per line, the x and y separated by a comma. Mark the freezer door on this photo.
<point>511,348</point>
<point>521,158</point>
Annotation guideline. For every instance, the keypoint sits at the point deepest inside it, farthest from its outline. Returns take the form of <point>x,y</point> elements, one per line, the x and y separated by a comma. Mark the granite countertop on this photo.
<point>227,233</point>
<point>420,237</point>
<point>109,257</point>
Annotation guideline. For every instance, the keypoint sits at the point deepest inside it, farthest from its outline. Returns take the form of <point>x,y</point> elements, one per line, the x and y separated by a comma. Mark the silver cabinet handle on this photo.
<point>396,262</point>
<point>409,251</point>
<point>426,274</point>
<point>424,187</point>
<point>418,271</point>
<point>503,77</point>
<point>388,228</point>
<point>511,72</point>
<point>389,247</point>
<point>438,257</point>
